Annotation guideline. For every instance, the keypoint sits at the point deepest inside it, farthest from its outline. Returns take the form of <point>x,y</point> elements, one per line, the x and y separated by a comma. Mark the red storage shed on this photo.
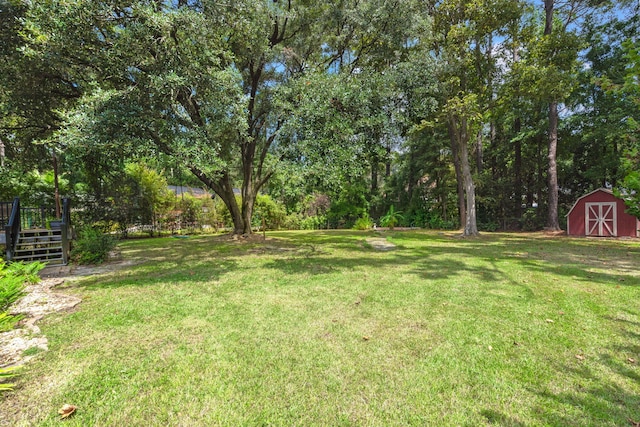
<point>602,214</point>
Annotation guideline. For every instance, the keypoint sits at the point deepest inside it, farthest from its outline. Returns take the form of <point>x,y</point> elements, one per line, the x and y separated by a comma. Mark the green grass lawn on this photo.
<point>320,329</point>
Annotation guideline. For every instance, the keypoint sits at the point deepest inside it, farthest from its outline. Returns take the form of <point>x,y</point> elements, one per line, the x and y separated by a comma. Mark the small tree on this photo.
<point>392,218</point>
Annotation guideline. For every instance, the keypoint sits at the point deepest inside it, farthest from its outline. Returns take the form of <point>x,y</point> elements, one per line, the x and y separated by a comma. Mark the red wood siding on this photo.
<point>627,225</point>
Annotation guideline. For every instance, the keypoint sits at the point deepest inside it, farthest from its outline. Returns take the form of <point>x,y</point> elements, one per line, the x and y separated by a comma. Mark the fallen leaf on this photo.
<point>366,338</point>
<point>490,348</point>
<point>516,343</point>
<point>631,360</point>
<point>67,410</point>
<point>579,357</point>
<point>548,320</point>
<point>561,313</point>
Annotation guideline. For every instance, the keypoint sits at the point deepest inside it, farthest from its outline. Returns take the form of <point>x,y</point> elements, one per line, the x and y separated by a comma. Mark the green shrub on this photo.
<point>435,222</point>
<point>363,223</point>
<point>28,271</point>
<point>316,222</point>
<point>92,246</point>
<point>292,221</point>
<point>488,226</point>
<point>531,221</point>
<point>269,210</point>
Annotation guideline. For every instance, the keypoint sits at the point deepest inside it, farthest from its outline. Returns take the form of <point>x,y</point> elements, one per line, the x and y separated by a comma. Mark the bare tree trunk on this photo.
<point>247,212</point>
<point>470,225</point>
<point>227,195</point>
<point>458,131</point>
<point>248,190</point>
<point>552,218</point>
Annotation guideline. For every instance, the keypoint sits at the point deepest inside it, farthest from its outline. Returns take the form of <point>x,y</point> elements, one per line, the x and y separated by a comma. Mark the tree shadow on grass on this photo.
<point>606,403</point>
<point>429,256</point>
<point>444,257</point>
<point>176,272</point>
<point>609,401</point>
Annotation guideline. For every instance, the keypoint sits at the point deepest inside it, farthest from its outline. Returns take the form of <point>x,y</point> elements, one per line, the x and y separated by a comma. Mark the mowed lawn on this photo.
<point>321,329</point>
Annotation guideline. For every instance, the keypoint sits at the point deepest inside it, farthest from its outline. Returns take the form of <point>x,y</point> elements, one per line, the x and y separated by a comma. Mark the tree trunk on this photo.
<point>552,218</point>
<point>460,139</point>
<point>247,213</point>
<point>548,12</point>
<point>248,190</point>
<point>229,198</point>
<point>223,187</point>
<point>470,225</point>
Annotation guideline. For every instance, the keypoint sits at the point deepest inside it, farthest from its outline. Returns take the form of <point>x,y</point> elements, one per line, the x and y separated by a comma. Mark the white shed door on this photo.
<point>601,219</point>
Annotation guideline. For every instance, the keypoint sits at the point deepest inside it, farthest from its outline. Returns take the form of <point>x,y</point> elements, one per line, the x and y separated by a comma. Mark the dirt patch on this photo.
<point>90,270</point>
<point>243,238</point>
<point>380,244</point>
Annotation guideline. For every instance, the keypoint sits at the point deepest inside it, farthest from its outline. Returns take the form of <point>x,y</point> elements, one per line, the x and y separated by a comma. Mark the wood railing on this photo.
<point>5,212</point>
<point>29,217</point>
<point>22,218</point>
